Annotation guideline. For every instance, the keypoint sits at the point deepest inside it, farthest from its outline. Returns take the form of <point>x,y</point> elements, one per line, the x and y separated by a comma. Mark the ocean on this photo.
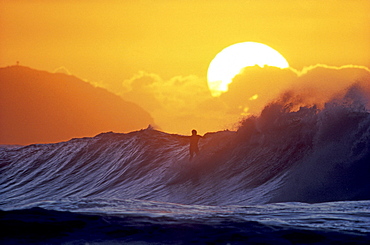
<point>288,176</point>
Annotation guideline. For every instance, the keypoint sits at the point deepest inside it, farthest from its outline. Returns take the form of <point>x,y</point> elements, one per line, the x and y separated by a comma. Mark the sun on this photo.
<point>231,60</point>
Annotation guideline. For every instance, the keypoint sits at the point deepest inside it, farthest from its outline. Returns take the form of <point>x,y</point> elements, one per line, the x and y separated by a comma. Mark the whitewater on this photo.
<point>292,175</point>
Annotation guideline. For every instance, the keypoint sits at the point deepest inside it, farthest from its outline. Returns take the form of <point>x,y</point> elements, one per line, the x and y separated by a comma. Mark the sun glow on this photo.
<point>231,60</point>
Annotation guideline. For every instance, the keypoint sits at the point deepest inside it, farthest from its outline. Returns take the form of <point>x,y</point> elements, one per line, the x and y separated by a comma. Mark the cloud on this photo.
<point>174,95</point>
<point>182,103</point>
<point>140,89</point>
<point>178,104</point>
<point>263,84</point>
<point>306,69</point>
<point>313,85</point>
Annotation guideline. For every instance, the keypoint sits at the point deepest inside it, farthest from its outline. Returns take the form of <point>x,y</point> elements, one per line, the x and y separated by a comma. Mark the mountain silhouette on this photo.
<point>42,107</point>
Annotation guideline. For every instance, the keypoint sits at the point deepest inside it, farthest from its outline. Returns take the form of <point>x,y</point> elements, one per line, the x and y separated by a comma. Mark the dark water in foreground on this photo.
<point>286,177</point>
<point>139,222</point>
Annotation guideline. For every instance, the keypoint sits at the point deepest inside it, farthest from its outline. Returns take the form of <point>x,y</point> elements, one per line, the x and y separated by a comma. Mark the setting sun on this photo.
<point>231,60</point>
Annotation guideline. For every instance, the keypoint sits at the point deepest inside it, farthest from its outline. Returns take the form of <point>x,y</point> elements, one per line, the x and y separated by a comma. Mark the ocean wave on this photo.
<point>289,153</point>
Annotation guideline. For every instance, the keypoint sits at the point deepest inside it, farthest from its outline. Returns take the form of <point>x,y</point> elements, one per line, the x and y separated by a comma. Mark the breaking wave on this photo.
<point>287,154</point>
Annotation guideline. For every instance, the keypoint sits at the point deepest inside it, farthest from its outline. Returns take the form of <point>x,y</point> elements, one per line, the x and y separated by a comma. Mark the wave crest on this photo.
<point>290,152</point>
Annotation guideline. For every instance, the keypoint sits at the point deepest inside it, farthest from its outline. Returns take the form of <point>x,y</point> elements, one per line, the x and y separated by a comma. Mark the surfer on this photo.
<point>194,138</point>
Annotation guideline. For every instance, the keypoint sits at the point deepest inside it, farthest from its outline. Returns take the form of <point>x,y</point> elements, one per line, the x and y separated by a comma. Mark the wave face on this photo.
<point>284,155</point>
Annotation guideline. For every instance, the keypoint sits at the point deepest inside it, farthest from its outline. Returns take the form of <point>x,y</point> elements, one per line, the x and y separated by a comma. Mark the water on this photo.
<point>287,176</point>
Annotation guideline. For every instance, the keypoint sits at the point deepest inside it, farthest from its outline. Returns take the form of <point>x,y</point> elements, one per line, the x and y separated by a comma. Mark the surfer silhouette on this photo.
<point>194,138</point>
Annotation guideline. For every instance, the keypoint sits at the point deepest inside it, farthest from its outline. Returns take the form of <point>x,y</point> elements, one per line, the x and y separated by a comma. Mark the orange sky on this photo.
<point>164,47</point>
